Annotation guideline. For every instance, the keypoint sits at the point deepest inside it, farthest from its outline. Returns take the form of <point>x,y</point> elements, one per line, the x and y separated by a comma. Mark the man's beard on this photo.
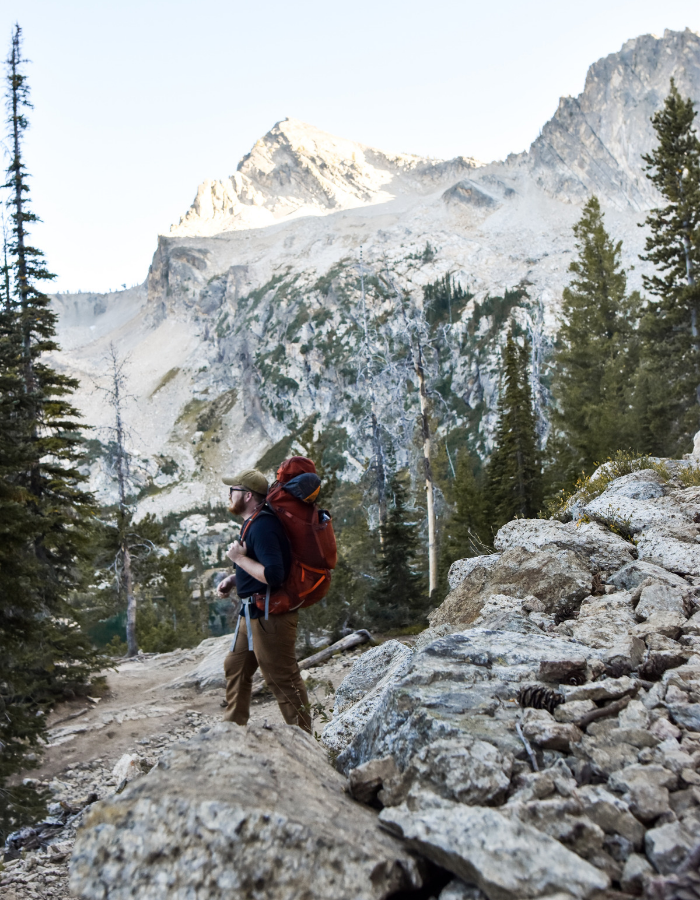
<point>236,505</point>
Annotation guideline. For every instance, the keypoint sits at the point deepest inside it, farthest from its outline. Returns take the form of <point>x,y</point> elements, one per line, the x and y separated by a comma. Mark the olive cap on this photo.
<point>249,478</point>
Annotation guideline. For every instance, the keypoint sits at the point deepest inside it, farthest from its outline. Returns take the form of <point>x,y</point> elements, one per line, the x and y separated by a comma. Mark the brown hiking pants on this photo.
<point>274,642</point>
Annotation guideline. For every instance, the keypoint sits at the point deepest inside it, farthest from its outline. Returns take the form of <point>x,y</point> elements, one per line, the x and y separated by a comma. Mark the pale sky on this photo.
<point>136,103</point>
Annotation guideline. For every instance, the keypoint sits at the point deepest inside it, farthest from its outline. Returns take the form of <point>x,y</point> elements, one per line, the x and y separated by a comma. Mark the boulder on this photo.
<point>503,613</point>
<point>362,691</point>
<point>633,574</point>
<point>603,549</point>
<point>637,868</point>
<point>687,715</point>
<point>462,686</point>
<point>646,789</point>
<point>254,812</point>
<point>667,846</point>
<point>466,769</point>
<point>367,780</point>
<point>460,568</point>
<point>557,577</point>
<point>608,623</point>
<point>127,768</point>
<point>610,813</point>
<point>208,674</point>
<point>657,597</point>
<point>367,672</point>
<point>507,859</point>
<point>680,556</point>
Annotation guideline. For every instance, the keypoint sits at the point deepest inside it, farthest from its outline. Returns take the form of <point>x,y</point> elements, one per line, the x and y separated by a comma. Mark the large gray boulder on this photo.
<point>660,516</point>
<point>237,812</point>
<point>599,545</point>
<point>505,858</point>
<point>461,687</point>
<point>362,691</point>
<point>460,568</point>
<point>554,576</point>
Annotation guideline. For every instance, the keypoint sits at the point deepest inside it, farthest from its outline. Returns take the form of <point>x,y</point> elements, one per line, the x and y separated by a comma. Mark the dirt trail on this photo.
<point>141,714</point>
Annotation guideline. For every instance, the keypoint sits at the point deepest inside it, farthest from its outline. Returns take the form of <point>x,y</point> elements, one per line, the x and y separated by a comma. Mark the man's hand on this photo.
<point>237,551</point>
<point>226,585</point>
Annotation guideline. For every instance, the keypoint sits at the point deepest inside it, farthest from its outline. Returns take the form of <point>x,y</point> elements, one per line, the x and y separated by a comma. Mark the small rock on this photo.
<point>366,780</point>
<point>636,869</point>
<point>667,846</point>
<point>127,768</point>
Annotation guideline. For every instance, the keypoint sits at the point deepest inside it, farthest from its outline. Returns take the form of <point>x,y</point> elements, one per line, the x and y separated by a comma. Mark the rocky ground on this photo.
<point>151,704</point>
<point>540,741</point>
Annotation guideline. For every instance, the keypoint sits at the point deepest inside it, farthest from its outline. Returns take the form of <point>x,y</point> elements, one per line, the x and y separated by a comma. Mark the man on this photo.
<point>262,561</point>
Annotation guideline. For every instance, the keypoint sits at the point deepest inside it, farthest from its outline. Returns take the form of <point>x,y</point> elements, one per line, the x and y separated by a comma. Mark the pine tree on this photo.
<point>669,378</point>
<point>595,354</point>
<point>466,532</point>
<point>44,512</point>
<point>399,597</point>
<point>514,473</point>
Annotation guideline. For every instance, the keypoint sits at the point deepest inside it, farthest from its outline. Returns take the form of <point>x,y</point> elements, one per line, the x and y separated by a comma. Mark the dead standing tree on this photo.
<point>416,330</point>
<point>115,393</point>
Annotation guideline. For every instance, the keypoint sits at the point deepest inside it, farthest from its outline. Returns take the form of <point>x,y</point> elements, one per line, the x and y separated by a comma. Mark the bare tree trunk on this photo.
<point>116,397</point>
<point>132,647</point>
<point>427,467</point>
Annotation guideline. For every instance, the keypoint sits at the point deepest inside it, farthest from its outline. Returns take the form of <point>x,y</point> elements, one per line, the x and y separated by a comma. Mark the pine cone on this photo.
<point>565,610</point>
<point>537,696</point>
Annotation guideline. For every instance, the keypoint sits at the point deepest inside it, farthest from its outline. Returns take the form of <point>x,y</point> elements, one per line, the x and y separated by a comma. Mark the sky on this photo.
<point>136,103</point>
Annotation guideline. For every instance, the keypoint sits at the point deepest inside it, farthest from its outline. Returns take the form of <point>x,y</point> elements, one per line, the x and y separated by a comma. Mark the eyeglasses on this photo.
<point>239,490</point>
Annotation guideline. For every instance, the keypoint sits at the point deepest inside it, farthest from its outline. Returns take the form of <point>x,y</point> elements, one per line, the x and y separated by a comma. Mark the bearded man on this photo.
<point>262,559</point>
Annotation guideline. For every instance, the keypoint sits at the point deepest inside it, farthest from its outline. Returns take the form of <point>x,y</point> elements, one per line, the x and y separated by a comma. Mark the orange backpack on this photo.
<point>310,532</point>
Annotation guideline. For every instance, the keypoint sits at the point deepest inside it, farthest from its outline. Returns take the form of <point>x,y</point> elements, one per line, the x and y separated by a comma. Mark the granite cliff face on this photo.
<point>250,324</point>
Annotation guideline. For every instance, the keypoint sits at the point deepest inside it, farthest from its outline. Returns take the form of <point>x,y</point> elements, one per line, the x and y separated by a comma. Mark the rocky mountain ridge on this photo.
<point>250,324</point>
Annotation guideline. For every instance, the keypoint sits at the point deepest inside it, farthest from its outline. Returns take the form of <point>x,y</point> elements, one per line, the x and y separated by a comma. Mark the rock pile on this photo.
<point>544,738</point>
<point>540,740</point>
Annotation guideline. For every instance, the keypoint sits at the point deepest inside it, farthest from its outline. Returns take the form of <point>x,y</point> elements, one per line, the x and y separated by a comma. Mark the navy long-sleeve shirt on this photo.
<point>266,543</point>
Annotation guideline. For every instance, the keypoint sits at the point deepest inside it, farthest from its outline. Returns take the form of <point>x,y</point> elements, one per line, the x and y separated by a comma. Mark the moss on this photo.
<point>166,379</point>
<point>209,418</point>
<point>325,282</point>
<point>271,459</point>
<point>690,476</point>
<point>300,319</point>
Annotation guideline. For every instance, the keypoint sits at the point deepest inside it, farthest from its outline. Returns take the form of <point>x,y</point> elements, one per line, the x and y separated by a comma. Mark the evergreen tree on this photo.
<point>595,354</point>
<point>466,532</point>
<point>44,513</point>
<point>514,473</point>
<point>399,596</point>
<point>669,378</point>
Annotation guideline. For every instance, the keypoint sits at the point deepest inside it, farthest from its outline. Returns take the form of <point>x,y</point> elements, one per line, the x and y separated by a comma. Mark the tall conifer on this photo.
<point>595,354</point>
<point>400,595</point>
<point>669,378</point>
<point>43,508</point>
<point>514,471</point>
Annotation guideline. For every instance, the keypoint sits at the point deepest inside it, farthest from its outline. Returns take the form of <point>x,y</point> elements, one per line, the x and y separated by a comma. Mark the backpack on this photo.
<point>309,529</point>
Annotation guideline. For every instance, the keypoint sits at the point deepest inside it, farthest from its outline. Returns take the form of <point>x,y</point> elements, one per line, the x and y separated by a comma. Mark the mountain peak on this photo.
<point>297,169</point>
